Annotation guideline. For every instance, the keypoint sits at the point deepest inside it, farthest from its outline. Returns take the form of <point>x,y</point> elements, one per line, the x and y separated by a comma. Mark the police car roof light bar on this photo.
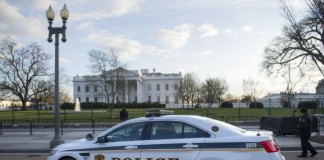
<point>158,113</point>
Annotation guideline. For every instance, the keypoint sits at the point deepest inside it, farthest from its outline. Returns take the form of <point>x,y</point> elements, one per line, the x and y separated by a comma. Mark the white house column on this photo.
<point>126,91</point>
<point>140,96</point>
<point>139,91</point>
<point>114,90</point>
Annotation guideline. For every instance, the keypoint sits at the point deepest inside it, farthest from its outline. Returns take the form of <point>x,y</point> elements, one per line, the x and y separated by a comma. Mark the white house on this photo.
<point>7,104</point>
<point>276,100</point>
<point>136,86</point>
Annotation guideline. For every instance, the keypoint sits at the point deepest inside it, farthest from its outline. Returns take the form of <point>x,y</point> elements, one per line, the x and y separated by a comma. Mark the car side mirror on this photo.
<point>89,137</point>
<point>102,139</point>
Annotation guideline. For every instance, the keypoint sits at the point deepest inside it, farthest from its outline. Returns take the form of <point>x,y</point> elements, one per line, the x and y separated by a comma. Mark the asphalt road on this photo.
<point>290,155</point>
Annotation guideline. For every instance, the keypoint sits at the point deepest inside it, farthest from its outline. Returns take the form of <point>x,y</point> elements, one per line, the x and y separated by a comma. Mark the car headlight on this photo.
<point>52,152</point>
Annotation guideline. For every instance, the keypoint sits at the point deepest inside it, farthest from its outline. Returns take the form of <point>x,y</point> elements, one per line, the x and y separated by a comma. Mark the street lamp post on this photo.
<point>270,107</point>
<point>56,31</point>
<point>239,109</point>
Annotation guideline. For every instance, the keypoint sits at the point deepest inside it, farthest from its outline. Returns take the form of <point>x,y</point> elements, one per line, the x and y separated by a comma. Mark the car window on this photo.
<point>174,130</point>
<point>193,132</point>
<point>129,132</point>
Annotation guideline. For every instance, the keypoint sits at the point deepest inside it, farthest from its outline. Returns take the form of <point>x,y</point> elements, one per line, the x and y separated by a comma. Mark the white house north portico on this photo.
<point>131,86</point>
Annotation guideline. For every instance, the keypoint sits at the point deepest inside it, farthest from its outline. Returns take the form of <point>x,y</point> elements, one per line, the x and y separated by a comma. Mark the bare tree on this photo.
<point>221,88</point>
<point>302,42</point>
<point>251,88</point>
<point>180,92</point>
<point>64,96</point>
<point>292,79</point>
<point>20,67</point>
<point>231,98</point>
<point>45,88</point>
<point>214,89</point>
<point>4,94</point>
<point>189,88</point>
<point>110,70</point>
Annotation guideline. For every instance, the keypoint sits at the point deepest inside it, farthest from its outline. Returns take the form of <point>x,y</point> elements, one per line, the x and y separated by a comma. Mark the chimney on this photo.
<point>153,70</point>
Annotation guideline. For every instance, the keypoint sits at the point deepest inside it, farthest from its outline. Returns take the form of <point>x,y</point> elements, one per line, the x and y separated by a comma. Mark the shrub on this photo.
<point>92,105</point>
<point>307,104</point>
<point>226,105</point>
<point>67,106</point>
<point>285,104</point>
<point>256,105</point>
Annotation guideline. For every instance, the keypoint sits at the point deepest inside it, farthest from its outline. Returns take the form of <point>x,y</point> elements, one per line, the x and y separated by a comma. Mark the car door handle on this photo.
<point>190,145</point>
<point>131,147</point>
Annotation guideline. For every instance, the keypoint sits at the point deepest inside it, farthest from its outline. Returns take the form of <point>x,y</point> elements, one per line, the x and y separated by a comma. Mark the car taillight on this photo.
<point>270,146</point>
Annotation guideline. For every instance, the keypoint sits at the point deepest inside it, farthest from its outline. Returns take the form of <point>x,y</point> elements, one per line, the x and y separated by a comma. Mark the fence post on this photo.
<point>1,128</point>
<point>30,127</point>
<point>61,127</point>
<point>93,126</point>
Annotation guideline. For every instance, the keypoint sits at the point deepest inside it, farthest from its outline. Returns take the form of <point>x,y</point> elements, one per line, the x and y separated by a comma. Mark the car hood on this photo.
<point>75,145</point>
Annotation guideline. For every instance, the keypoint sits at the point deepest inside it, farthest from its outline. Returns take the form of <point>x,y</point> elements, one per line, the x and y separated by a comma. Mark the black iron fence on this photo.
<point>44,125</point>
<point>101,124</point>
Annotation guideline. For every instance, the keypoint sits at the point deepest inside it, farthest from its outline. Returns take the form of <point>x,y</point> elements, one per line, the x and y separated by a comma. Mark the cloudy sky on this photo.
<point>212,38</point>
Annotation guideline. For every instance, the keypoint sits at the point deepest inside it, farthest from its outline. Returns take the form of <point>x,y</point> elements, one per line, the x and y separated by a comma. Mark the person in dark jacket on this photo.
<point>123,114</point>
<point>305,129</point>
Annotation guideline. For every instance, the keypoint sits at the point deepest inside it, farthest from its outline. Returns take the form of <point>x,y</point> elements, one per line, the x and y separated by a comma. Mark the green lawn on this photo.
<point>217,113</point>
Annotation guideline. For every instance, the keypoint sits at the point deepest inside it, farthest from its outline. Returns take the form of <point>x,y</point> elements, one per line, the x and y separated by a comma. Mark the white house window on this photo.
<point>95,99</point>
<point>87,88</point>
<point>158,99</point>
<point>79,88</point>
<point>95,88</point>
<point>149,87</point>
<point>158,87</point>
<point>167,100</point>
<point>166,87</point>
<point>87,99</point>
<point>149,99</point>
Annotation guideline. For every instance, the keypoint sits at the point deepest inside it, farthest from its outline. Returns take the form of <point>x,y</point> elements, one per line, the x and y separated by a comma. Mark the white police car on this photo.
<point>172,137</point>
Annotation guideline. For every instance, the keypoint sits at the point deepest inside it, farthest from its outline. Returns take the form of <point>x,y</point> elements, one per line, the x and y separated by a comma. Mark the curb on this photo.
<point>24,151</point>
<point>298,148</point>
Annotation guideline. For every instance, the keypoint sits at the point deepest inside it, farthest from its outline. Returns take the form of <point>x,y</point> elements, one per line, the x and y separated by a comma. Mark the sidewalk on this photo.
<point>22,142</point>
<point>39,142</point>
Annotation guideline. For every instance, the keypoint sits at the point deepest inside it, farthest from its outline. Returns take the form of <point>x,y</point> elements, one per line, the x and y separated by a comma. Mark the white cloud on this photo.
<point>122,7</point>
<point>182,70</point>
<point>175,38</point>
<point>65,60</point>
<point>15,24</point>
<point>228,30</point>
<point>207,30</point>
<point>279,34</point>
<point>205,53</point>
<point>88,25</point>
<point>127,48</point>
<point>247,29</point>
<point>41,5</point>
<point>107,8</point>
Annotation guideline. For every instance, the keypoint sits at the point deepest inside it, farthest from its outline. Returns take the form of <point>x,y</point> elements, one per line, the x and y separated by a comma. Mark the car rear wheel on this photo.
<point>67,158</point>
